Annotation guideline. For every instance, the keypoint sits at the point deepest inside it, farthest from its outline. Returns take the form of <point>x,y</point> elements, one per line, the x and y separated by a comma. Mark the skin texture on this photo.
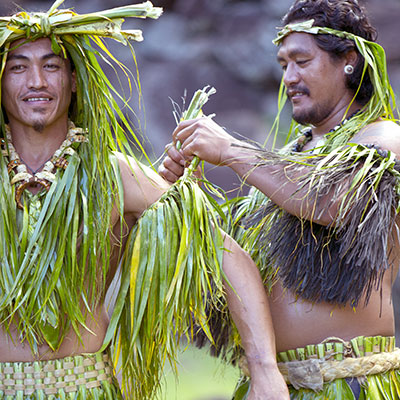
<point>313,100</point>
<point>317,91</point>
<point>37,87</point>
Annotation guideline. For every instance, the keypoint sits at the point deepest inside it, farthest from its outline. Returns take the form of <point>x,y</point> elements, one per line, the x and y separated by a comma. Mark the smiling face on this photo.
<point>315,83</point>
<point>36,85</point>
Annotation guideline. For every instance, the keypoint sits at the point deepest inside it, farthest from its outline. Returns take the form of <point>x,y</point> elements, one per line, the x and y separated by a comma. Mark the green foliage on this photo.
<point>173,259</point>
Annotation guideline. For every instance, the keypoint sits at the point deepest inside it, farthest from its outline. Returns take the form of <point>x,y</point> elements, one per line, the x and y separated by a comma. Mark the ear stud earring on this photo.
<point>348,69</point>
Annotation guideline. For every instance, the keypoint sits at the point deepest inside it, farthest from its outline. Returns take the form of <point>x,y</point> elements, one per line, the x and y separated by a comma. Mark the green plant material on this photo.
<point>364,182</point>
<point>55,253</point>
<point>57,22</point>
<point>173,259</point>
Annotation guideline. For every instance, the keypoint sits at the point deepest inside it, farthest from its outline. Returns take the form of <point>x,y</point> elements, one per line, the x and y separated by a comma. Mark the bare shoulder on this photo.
<point>142,185</point>
<point>382,133</point>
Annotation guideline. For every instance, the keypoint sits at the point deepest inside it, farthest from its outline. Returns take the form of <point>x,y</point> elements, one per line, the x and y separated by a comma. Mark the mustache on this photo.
<point>297,89</point>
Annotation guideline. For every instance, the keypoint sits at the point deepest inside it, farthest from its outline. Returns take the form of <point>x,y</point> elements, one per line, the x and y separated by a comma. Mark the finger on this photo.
<point>174,167</point>
<point>186,128</point>
<point>189,146</point>
<point>167,174</point>
<point>174,154</point>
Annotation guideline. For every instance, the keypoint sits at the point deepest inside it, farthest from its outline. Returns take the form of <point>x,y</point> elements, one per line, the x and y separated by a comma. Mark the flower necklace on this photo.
<point>22,178</point>
<point>306,135</point>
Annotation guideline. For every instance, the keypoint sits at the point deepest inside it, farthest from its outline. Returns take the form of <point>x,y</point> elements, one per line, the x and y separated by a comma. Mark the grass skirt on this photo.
<point>83,377</point>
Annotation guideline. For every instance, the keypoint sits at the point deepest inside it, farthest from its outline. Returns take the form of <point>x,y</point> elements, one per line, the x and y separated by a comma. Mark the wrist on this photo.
<point>234,152</point>
<point>265,372</point>
<point>256,363</point>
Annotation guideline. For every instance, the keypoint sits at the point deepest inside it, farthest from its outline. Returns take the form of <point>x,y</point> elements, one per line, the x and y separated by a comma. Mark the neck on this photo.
<point>335,119</point>
<point>35,147</point>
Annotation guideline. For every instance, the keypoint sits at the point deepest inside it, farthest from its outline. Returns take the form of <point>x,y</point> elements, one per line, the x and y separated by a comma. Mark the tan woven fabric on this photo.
<point>313,373</point>
<point>67,374</point>
<point>314,365</point>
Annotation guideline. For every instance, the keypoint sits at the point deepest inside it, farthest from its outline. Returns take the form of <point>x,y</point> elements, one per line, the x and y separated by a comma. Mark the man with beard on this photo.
<point>69,202</point>
<point>322,224</point>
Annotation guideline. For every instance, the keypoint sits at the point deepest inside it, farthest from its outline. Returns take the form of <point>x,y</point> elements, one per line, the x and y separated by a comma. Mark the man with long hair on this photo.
<point>321,220</point>
<point>75,206</point>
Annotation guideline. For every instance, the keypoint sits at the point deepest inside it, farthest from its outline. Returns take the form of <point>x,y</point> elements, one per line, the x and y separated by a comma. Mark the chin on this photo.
<point>39,125</point>
<point>301,119</point>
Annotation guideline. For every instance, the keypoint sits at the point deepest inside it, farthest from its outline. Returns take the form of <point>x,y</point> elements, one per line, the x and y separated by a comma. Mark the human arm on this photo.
<point>247,302</point>
<point>204,138</point>
<point>248,305</point>
<point>207,140</point>
<point>142,186</point>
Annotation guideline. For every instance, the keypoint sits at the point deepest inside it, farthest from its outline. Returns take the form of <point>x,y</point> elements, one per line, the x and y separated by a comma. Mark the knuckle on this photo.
<point>167,163</point>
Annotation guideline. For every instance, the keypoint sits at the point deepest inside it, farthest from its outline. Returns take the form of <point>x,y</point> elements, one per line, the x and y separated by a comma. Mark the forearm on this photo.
<point>249,308</point>
<point>279,182</point>
<point>205,139</point>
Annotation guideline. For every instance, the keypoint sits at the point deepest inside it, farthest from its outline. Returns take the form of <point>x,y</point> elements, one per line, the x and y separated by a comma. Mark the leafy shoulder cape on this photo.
<point>339,264</point>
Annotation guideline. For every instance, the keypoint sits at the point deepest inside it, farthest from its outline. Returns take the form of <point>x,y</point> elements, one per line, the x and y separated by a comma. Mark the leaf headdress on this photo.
<point>382,102</point>
<point>51,250</point>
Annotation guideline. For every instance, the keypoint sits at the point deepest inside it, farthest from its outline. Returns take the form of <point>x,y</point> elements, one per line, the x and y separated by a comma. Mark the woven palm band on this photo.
<point>310,367</point>
<point>54,376</point>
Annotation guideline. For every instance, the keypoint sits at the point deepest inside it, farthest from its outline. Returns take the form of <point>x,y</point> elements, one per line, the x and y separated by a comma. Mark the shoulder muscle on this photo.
<point>382,133</point>
<point>142,185</point>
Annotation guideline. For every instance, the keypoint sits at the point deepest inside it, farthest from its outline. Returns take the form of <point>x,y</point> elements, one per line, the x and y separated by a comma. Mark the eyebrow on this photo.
<point>292,53</point>
<point>22,57</point>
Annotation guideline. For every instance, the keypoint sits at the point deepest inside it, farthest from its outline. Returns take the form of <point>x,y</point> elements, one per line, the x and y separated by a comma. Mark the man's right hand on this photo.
<point>173,165</point>
<point>268,385</point>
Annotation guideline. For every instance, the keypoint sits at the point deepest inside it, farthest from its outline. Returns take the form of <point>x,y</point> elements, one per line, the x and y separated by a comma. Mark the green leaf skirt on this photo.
<point>82,377</point>
<point>384,386</point>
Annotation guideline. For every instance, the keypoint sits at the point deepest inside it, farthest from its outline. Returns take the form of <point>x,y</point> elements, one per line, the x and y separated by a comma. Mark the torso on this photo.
<point>298,322</point>
<point>11,349</point>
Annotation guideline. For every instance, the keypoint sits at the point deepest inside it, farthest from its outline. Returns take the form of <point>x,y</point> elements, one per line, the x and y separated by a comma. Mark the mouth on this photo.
<point>296,94</point>
<point>37,99</point>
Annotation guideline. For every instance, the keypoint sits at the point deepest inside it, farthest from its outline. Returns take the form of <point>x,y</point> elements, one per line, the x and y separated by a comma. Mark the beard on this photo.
<point>39,124</point>
<point>312,116</point>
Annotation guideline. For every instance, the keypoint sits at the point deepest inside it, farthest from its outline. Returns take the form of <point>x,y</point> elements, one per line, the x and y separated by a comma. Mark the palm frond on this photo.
<point>173,258</point>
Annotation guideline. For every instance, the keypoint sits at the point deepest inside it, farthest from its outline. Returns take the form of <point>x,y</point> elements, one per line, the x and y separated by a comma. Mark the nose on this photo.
<point>291,75</point>
<point>36,78</point>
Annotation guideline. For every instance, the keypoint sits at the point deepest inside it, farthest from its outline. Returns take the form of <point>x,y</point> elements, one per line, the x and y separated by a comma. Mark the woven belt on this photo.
<point>52,376</point>
<point>313,372</point>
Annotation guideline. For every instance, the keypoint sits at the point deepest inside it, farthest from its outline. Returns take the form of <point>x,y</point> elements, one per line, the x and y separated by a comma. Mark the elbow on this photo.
<point>324,215</point>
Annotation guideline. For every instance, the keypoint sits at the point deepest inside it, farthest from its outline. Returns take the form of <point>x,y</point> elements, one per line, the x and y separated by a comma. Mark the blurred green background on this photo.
<point>201,377</point>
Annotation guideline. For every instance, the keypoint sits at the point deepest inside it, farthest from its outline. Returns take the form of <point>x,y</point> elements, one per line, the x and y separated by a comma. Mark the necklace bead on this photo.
<point>24,179</point>
<point>306,135</point>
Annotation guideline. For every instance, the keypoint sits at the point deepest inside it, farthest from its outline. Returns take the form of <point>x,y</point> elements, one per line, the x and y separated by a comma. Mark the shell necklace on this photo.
<point>306,135</point>
<point>22,178</point>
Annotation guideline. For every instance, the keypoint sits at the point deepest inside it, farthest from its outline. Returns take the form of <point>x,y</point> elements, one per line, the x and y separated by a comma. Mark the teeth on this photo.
<point>38,99</point>
<point>297,94</point>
